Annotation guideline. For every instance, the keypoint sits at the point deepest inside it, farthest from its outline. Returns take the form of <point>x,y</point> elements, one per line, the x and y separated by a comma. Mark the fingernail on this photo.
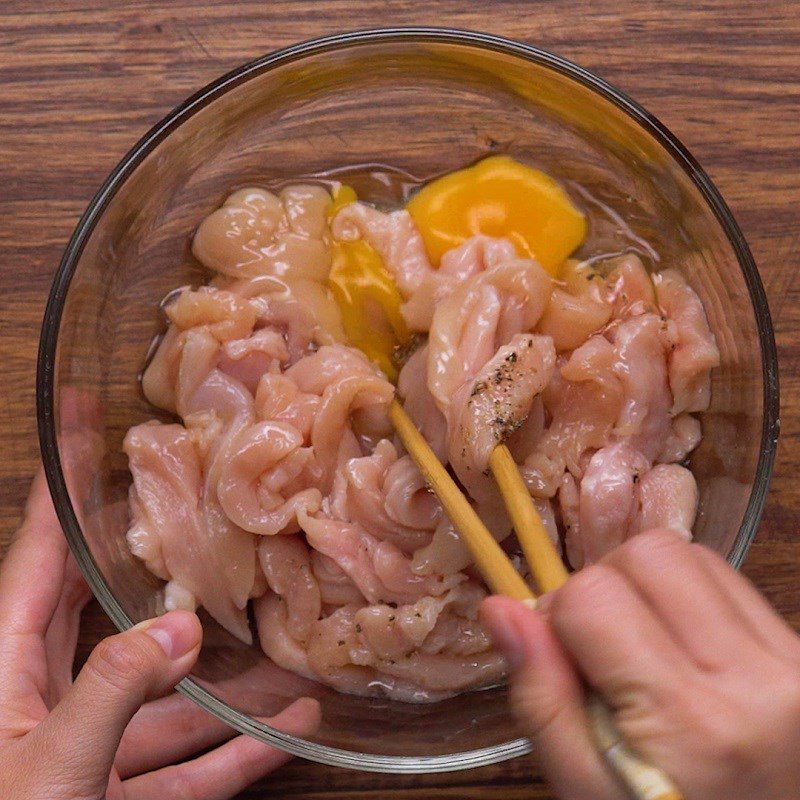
<point>175,632</point>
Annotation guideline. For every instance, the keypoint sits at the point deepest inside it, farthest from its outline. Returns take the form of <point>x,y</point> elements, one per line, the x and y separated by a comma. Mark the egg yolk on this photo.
<point>367,295</point>
<point>499,197</point>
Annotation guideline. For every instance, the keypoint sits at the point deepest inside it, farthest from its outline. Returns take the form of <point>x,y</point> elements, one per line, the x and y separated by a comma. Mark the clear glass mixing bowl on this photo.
<point>424,101</point>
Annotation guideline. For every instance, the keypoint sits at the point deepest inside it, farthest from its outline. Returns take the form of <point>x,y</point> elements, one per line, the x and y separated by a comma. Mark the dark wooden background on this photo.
<point>81,80</point>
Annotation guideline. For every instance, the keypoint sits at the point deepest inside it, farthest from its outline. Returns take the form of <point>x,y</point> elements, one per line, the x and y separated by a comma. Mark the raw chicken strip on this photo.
<point>287,567</point>
<point>161,374</point>
<point>432,625</point>
<point>335,586</point>
<point>621,496</point>
<point>475,255</point>
<point>275,637</point>
<point>584,400</point>
<point>226,315</point>
<point>445,554</point>
<point>257,233</point>
<point>608,503</point>
<point>683,437</point>
<point>668,497</point>
<point>303,311</point>
<point>248,359</point>
<point>388,497</point>
<point>640,351</point>
<point>630,287</point>
<point>394,236</point>
<point>418,402</point>
<point>482,314</point>
<point>694,352</point>
<point>577,310</point>
<point>279,398</point>
<point>491,407</point>
<point>244,490</point>
<point>173,530</point>
<point>382,573</point>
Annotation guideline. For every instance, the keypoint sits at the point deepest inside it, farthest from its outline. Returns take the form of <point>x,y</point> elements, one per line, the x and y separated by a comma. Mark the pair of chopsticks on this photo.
<point>644,781</point>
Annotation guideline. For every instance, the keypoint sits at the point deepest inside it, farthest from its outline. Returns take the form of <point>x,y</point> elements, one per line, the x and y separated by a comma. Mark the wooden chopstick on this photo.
<point>489,556</point>
<point>546,565</point>
<point>644,781</point>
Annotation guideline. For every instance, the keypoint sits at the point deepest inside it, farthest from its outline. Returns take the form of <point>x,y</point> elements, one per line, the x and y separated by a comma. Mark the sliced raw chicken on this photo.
<point>668,496</point>
<point>630,287</point>
<point>608,504</point>
<point>247,489</point>
<point>482,314</point>
<point>249,359</point>
<point>258,233</point>
<point>621,496</point>
<point>388,497</point>
<point>418,402</point>
<point>640,364</point>
<point>487,410</point>
<point>381,572</point>
<point>394,236</point>
<point>161,373</point>
<point>683,437</point>
<point>226,315</point>
<point>287,566</point>
<point>286,486</point>
<point>302,310</point>
<point>176,532</point>
<point>577,309</point>
<point>694,352</point>
<point>584,400</point>
<point>477,254</point>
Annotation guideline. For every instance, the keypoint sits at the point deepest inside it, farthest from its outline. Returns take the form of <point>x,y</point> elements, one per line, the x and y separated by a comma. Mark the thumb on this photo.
<point>547,699</point>
<point>82,734</point>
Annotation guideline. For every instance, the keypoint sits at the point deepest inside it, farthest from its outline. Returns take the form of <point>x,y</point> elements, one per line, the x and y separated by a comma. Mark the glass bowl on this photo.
<point>425,101</point>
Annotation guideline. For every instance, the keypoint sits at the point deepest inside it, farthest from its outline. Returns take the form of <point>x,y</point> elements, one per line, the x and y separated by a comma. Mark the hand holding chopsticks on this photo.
<point>644,781</point>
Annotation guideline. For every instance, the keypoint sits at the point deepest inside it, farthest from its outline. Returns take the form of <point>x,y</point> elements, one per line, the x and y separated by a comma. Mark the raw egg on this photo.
<point>499,197</point>
<point>367,295</point>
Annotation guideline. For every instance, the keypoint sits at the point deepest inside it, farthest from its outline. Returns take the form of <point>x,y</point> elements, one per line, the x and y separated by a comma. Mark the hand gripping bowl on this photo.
<point>425,101</point>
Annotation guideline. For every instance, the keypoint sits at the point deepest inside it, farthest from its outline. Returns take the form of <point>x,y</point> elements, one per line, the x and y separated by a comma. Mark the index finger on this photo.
<point>32,573</point>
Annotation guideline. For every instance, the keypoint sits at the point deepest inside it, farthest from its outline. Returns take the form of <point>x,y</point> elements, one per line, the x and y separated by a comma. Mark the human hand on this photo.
<point>106,736</point>
<point>702,675</point>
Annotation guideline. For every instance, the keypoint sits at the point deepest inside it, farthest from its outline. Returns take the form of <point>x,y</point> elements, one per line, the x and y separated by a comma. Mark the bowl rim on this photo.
<point>46,363</point>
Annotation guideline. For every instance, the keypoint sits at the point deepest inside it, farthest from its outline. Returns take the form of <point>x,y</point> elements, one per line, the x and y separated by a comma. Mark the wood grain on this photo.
<point>81,81</point>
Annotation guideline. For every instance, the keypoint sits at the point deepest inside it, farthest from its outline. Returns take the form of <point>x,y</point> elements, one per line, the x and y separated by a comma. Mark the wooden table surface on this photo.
<point>81,80</point>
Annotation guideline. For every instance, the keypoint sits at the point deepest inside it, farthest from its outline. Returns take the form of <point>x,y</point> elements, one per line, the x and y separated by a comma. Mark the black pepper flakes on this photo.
<point>392,618</point>
<point>479,387</point>
<point>341,642</point>
<point>358,627</point>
